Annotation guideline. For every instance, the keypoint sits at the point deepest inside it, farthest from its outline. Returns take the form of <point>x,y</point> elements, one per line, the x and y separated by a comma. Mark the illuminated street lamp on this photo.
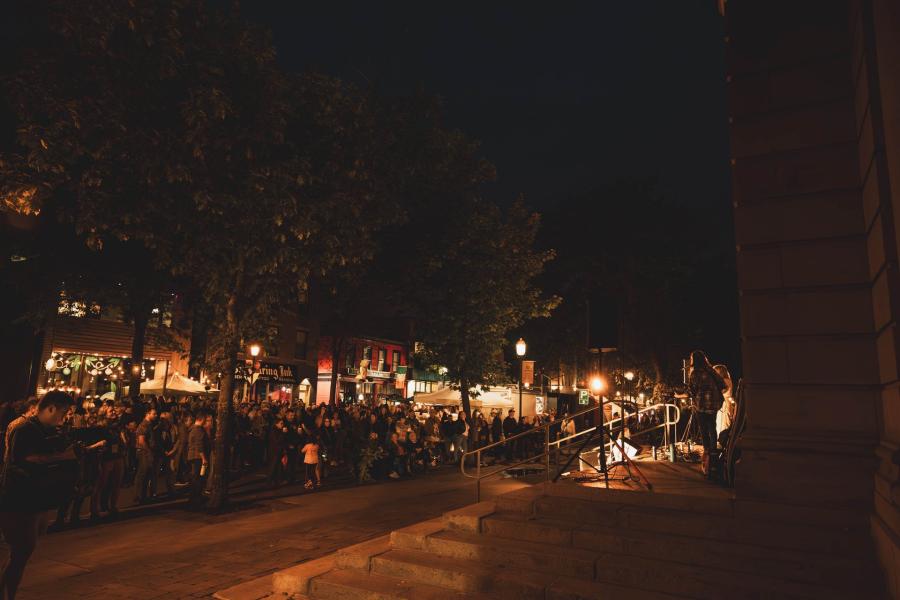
<point>250,367</point>
<point>598,386</point>
<point>520,352</point>
<point>629,376</point>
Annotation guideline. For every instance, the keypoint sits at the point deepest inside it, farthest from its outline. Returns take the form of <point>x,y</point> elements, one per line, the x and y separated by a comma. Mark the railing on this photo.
<point>669,410</point>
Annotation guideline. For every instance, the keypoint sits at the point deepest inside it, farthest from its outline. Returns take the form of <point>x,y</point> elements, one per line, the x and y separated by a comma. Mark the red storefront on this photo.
<point>368,369</point>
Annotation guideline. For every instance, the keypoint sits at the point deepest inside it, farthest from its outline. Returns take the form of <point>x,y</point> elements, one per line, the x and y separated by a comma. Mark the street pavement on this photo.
<point>169,552</point>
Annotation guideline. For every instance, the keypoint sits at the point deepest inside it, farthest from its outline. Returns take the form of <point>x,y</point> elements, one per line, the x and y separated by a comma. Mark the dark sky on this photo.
<point>562,95</point>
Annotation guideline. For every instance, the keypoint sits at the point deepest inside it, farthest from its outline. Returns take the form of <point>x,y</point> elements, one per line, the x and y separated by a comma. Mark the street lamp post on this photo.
<point>598,386</point>
<point>520,352</point>
<point>254,353</point>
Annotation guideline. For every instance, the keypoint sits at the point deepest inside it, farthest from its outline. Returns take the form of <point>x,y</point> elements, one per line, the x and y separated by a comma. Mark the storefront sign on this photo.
<point>528,372</point>
<point>278,372</point>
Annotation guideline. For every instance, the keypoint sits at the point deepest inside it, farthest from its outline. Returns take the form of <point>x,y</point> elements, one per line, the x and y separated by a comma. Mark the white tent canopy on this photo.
<point>176,385</point>
<point>488,397</point>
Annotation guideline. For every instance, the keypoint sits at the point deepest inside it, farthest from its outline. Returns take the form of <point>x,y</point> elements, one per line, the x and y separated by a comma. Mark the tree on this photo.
<point>91,89</point>
<point>170,125</point>
<point>478,285</point>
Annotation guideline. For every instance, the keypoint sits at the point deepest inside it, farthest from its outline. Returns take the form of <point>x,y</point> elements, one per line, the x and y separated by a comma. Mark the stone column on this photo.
<point>811,362</point>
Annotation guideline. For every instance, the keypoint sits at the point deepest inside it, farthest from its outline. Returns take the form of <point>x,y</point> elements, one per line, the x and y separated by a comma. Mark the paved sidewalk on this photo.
<point>173,553</point>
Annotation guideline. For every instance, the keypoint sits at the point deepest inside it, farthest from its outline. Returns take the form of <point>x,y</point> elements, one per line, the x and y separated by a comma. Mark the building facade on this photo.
<point>286,369</point>
<point>368,369</point>
<point>814,112</point>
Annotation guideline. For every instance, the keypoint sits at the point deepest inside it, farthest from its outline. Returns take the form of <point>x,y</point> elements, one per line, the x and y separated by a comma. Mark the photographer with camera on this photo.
<point>40,468</point>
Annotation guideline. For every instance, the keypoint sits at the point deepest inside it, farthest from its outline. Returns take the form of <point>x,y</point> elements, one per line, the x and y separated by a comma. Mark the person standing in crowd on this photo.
<point>461,432</point>
<point>276,453</point>
<point>311,462</point>
<point>706,387</point>
<point>31,481</point>
<point>447,430</point>
<point>510,428</point>
<point>497,432</point>
<point>146,444</point>
<point>179,459</point>
<point>197,458</point>
<point>165,435</point>
<point>31,408</point>
<point>112,469</point>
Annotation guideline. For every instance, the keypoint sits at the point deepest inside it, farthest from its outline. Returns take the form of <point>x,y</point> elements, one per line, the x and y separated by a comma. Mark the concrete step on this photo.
<point>255,589</point>
<point>462,575</point>
<point>816,539</point>
<point>475,577</point>
<point>467,561</point>
<point>713,500</point>
<point>353,585</point>
<point>512,554</point>
<point>711,584</point>
<point>791,565</point>
<point>295,581</point>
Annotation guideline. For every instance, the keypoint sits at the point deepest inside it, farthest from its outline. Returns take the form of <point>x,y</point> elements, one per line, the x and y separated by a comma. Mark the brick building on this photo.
<point>385,362</point>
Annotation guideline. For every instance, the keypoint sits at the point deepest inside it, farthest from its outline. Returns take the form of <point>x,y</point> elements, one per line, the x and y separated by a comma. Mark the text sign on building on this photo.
<point>277,372</point>
<point>583,397</point>
<point>528,372</point>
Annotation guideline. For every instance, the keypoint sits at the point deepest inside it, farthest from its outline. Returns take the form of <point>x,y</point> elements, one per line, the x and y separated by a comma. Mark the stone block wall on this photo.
<point>814,104</point>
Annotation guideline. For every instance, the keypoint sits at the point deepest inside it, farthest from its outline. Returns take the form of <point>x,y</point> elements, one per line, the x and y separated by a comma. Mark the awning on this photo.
<point>176,385</point>
<point>488,397</point>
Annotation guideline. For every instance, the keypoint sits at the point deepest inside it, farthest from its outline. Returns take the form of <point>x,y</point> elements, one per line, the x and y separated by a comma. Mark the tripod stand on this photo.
<point>603,469</point>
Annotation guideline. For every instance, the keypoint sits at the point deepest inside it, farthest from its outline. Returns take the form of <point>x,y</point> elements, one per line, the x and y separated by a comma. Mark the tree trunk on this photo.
<point>337,344</point>
<point>464,397</point>
<point>137,355</point>
<point>224,408</point>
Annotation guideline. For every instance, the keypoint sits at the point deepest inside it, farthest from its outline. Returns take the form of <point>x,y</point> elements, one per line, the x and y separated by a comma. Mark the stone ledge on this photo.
<point>295,580</point>
<point>359,556</point>
<point>469,517</point>
<point>415,536</point>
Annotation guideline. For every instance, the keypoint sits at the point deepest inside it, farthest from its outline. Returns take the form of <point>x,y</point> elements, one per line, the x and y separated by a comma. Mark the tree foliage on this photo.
<point>478,284</point>
<point>170,126</point>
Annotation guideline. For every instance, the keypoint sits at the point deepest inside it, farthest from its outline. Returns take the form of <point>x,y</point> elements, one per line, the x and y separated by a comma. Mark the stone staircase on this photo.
<point>566,542</point>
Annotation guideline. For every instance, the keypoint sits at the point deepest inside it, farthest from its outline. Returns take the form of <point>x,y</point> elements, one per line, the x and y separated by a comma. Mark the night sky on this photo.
<point>563,96</point>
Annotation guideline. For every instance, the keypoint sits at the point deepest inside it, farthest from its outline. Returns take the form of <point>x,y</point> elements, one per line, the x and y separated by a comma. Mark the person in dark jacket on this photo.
<point>510,428</point>
<point>26,482</point>
<point>497,432</point>
<point>447,430</point>
<point>277,446</point>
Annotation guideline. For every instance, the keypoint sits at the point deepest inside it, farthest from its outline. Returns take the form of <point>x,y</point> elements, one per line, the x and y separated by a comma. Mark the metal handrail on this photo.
<point>478,476</point>
<point>534,429</point>
<point>665,424</point>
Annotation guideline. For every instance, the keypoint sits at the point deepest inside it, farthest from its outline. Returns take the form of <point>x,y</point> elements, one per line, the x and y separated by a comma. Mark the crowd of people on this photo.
<point>87,451</point>
<point>161,446</point>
